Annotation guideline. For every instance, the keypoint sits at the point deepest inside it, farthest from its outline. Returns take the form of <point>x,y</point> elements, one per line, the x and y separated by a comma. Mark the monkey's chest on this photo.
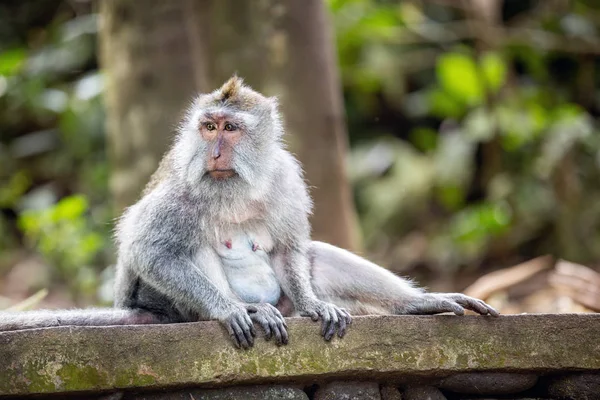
<point>247,268</point>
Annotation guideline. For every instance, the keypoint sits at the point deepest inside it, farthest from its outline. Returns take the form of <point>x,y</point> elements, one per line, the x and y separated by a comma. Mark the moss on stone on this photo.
<point>68,359</point>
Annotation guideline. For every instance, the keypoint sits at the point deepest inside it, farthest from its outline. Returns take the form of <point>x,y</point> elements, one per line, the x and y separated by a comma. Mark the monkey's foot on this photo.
<point>436,303</point>
<point>333,318</point>
<point>271,321</point>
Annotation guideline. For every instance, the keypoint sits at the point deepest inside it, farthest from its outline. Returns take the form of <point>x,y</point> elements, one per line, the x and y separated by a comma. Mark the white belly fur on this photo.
<point>248,271</point>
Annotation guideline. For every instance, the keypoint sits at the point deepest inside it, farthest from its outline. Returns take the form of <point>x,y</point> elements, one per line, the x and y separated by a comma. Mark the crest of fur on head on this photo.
<point>235,94</point>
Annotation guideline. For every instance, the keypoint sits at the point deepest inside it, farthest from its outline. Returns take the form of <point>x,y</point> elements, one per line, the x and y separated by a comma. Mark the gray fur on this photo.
<point>12,321</point>
<point>185,247</point>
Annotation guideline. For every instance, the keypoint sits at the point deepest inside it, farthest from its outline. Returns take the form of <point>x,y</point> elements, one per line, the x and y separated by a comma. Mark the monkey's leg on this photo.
<point>12,321</point>
<point>350,281</point>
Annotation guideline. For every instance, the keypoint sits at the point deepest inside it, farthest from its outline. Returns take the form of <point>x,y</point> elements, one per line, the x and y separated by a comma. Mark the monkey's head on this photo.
<point>228,136</point>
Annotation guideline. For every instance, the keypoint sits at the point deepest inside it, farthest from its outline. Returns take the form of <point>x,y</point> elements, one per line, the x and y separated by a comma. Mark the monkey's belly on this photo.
<point>247,268</point>
<point>253,282</point>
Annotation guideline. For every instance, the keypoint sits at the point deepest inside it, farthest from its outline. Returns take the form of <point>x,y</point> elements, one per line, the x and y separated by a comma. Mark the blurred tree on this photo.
<point>146,57</point>
<point>156,54</point>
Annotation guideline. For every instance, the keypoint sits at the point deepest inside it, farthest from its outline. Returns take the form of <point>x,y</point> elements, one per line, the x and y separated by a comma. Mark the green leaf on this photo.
<point>11,61</point>
<point>443,105</point>
<point>458,75</point>
<point>70,207</point>
<point>493,69</point>
<point>425,139</point>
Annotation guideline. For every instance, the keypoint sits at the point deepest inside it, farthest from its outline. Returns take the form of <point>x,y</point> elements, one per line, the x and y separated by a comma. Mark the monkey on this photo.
<point>221,232</point>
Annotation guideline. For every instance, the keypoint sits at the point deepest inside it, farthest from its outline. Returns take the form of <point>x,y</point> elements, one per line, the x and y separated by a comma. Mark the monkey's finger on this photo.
<point>275,311</point>
<point>493,312</point>
<point>246,321</point>
<point>472,304</point>
<point>252,329</point>
<point>248,328</point>
<point>243,331</point>
<point>326,321</point>
<point>284,334</point>
<point>333,324</point>
<point>312,314</point>
<point>282,322</point>
<point>233,335</point>
<point>239,334</point>
<point>343,323</point>
<point>265,325</point>
<point>276,332</point>
<point>452,307</point>
<point>281,319</point>
<point>347,316</point>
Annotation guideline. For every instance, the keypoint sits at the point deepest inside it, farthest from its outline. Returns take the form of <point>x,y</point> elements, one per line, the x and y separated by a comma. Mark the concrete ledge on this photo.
<point>389,348</point>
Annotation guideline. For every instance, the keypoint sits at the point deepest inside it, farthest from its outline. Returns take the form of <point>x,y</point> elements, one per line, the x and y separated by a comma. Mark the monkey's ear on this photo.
<point>231,88</point>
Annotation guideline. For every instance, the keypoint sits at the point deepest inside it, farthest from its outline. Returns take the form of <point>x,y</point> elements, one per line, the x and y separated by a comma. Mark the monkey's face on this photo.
<point>228,136</point>
<point>222,132</point>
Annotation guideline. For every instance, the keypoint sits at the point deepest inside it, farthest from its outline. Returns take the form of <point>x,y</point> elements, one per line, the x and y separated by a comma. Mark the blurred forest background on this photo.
<point>470,141</point>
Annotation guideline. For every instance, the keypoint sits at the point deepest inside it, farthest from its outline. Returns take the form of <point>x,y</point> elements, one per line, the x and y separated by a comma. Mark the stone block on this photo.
<point>575,387</point>
<point>422,393</point>
<point>259,392</point>
<point>488,383</point>
<point>349,391</point>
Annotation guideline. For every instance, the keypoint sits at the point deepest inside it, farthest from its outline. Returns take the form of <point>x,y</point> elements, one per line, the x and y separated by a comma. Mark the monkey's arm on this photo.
<point>188,284</point>
<point>292,267</point>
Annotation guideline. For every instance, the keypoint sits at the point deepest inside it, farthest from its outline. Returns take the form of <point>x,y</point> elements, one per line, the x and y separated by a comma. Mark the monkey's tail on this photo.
<point>12,321</point>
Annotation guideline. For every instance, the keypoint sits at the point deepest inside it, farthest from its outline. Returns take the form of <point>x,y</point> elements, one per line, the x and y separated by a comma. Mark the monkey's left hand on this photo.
<point>332,317</point>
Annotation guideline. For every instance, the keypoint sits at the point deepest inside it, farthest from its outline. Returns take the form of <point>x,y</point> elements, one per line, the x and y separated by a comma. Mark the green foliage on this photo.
<point>63,235</point>
<point>494,71</point>
<point>11,61</point>
<point>459,76</point>
<point>14,189</point>
<point>52,149</point>
<point>505,152</point>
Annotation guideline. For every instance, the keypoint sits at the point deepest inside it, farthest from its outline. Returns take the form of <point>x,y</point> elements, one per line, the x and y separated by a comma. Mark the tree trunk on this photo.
<point>146,59</point>
<point>280,47</point>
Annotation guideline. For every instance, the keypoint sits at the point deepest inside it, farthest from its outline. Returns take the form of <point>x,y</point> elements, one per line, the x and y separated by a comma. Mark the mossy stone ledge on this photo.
<point>394,350</point>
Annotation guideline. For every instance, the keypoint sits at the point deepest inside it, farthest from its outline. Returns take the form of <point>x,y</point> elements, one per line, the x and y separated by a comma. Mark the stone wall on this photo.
<point>387,358</point>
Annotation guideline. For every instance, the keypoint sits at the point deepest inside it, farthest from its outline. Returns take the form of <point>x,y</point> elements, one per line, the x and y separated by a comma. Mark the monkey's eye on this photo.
<point>210,126</point>
<point>229,127</point>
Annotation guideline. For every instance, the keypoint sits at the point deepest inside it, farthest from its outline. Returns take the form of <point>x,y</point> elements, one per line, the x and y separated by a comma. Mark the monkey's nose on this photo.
<point>216,152</point>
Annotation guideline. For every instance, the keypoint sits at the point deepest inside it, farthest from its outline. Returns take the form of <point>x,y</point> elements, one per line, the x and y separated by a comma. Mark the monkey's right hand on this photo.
<point>271,321</point>
<point>332,316</point>
<point>239,325</point>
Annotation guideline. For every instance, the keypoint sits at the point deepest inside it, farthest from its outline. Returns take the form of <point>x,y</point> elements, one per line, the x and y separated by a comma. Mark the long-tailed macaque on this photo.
<point>221,232</point>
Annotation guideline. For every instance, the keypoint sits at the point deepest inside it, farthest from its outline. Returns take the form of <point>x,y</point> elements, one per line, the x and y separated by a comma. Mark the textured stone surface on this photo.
<point>576,387</point>
<point>349,391</point>
<point>238,393</point>
<point>488,383</point>
<point>390,393</point>
<point>71,359</point>
<point>422,393</point>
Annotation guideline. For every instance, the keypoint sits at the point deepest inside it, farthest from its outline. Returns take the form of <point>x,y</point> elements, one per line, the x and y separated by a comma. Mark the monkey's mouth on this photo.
<point>221,173</point>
